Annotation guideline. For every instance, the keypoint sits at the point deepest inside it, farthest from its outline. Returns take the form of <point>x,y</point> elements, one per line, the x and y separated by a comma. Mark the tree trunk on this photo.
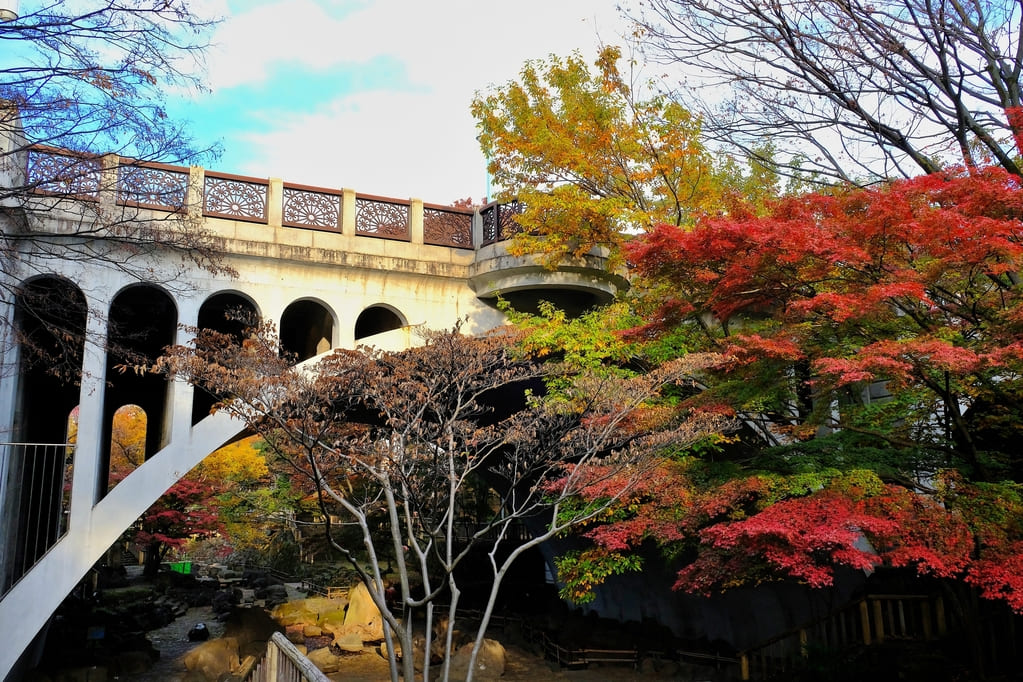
<point>154,557</point>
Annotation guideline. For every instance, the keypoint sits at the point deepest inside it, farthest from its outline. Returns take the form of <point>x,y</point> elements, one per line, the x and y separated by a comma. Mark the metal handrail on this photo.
<point>34,517</point>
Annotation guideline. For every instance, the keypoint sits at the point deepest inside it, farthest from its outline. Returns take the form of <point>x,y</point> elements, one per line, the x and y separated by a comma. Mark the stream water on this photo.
<point>172,642</point>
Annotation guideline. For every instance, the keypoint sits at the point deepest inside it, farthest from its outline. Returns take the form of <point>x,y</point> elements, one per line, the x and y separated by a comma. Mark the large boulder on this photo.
<point>490,663</point>
<point>351,643</point>
<point>272,595</point>
<point>213,658</point>
<point>363,616</point>
<point>310,611</point>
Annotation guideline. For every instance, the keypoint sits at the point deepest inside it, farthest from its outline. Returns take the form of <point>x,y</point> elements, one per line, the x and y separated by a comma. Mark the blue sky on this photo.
<point>374,96</point>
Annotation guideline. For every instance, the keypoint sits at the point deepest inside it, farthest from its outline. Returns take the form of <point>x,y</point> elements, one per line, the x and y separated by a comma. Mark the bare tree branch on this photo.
<point>850,90</point>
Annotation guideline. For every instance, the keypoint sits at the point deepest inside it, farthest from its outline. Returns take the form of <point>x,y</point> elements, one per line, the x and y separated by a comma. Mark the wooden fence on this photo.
<point>870,620</point>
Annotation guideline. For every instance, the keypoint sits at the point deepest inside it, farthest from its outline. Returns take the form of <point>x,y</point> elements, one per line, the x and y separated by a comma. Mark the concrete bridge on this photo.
<point>330,267</point>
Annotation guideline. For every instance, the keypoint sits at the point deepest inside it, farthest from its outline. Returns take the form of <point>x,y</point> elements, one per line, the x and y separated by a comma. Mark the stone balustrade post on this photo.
<point>275,203</point>
<point>194,195</point>
<point>415,219</point>
<point>348,212</point>
<point>109,169</point>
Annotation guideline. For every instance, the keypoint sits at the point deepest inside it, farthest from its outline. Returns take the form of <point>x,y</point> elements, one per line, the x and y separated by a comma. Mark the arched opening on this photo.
<point>307,329</point>
<point>228,313</point>
<point>142,322</point>
<point>377,319</point>
<point>50,318</point>
<point>49,330</point>
<point>127,442</point>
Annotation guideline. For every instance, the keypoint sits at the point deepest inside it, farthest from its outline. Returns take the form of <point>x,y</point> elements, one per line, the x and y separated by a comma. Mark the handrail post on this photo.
<point>878,621</point>
<point>744,666</point>
<point>939,613</point>
<point>865,622</point>
<point>272,661</point>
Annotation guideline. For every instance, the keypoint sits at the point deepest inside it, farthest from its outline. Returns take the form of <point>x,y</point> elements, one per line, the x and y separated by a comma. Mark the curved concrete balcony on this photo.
<point>573,286</point>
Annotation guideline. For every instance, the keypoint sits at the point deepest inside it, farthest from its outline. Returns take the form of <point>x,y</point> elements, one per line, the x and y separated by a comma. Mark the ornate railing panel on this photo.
<point>311,207</point>
<point>499,221</point>
<point>379,217</point>
<point>152,185</point>
<point>235,197</point>
<point>447,227</point>
<point>65,174</point>
<point>40,478</point>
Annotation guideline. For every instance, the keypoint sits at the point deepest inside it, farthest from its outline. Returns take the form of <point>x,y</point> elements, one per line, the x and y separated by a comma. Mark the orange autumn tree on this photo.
<point>244,496</point>
<point>591,158</point>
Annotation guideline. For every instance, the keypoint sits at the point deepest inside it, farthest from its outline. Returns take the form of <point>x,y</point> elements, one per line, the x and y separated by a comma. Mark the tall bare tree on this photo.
<point>83,119</point>
<point>846,89</point>
<point>393,443</point>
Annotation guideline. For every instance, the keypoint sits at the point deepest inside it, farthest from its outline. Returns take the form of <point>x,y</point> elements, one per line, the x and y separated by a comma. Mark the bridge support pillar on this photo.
<point>87,478</point>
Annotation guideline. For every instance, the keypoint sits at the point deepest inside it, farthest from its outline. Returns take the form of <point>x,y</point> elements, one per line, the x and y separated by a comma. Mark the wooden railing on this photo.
<point>282,663</point>
<point>870,620</point>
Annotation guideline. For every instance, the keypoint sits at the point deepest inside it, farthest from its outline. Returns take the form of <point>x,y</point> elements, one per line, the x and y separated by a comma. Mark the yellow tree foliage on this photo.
<point>239,474</point>
<point>236,464</point>
<point>590,161</point>
<point>127,442</point>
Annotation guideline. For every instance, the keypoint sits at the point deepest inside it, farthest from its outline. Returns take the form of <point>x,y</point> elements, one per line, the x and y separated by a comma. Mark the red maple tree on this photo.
<point>874,338</point>
<point>186,511</point>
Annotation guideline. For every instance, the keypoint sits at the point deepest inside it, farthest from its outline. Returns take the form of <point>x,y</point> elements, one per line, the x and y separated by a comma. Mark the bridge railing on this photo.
<point>60,173</point>
<point>35,515</point>
<point>499,221</point>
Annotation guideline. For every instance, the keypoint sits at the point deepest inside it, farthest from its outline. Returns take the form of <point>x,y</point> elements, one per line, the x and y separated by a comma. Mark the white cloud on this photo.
<point>409,138</point>
<point>440,43</point>
<point>391,144</point>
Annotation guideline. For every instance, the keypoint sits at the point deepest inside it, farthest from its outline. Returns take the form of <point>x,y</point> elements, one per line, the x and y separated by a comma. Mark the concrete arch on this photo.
<point>212,310</point>
<point>308,327</point>
<point>214,314</point>
<point>377,319</point>
<point>142,321</point>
